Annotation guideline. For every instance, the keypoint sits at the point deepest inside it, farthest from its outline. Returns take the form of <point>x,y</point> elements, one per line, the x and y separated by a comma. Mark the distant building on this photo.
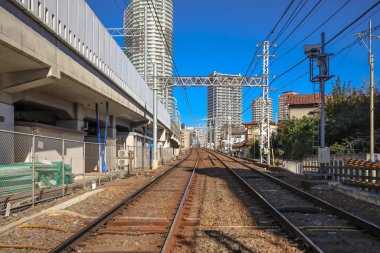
<point>257,105</point>
<point>186,138</point>
<point>300,105</point>
<point>237,137</point>
<point>159,49</point>
<point>283,111</point>
<point>252,131</point>
<point>222,103</point>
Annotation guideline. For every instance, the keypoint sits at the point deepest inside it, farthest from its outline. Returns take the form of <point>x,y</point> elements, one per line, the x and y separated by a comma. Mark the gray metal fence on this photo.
<point>33,166</point>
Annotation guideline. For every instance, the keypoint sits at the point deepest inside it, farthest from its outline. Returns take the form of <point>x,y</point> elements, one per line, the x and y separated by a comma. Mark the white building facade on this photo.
<point>159,36</point>
<point>257,105</point>
<point>224,107</point>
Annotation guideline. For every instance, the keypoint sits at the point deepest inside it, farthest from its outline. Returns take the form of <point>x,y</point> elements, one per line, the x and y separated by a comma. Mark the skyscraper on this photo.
<point>257,105</point>
<point>223,103</point>
<point>282,106</point>
<point>159,47</point>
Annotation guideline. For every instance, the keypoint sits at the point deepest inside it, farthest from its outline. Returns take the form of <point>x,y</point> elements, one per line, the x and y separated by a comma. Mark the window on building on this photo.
<point>46,16</point>
<point>53,21</point>
<point>39,9</point>
<point>31,3</point>
<point>59,27</point>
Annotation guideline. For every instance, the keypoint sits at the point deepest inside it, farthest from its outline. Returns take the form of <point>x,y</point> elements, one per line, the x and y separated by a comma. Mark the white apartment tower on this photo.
<point>158,48</point>
<point>257,105</point>
<point>223,108</point>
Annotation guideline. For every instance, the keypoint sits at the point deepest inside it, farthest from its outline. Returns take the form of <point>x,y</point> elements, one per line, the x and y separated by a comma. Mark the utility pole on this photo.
<point>265,112</point>
<point>155,162</point>
<point>323,72</point>
<point>371,86</point>
<point>316,53</point>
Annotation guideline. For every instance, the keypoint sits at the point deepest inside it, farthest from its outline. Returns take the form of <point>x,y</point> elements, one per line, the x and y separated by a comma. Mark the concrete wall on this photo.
<point>299,112</point>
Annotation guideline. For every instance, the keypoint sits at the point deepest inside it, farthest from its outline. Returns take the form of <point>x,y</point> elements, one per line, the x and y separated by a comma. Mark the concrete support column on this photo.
<point>6,117</point>
<point>7,139</point>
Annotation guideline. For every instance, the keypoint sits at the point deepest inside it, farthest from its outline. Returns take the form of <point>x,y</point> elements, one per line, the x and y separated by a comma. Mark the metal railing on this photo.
<point>33,166</point>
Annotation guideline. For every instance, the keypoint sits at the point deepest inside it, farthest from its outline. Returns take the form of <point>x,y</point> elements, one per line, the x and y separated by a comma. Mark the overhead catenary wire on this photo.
<point>316,29</point>
<point>254,57</point>
<point>299,24</point>
<point>329,41</point>
<point>295,13</point>
<point>288,7</point>
<point>347,47</point>
<point>291,18</point>
<point>152,8</point>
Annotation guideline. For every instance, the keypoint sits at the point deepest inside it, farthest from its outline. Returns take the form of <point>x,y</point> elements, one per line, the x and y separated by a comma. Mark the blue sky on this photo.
<point>221,35</point>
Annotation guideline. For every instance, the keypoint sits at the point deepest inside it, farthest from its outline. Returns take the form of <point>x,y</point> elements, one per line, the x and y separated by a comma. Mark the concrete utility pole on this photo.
<point>372,92</point>
<point>155,162</point>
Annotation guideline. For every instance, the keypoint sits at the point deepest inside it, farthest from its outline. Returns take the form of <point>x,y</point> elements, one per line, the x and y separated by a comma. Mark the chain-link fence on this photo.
<point>35,167</point>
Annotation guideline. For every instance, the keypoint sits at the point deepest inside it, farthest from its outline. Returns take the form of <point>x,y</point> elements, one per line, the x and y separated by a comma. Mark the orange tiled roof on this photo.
<point>303,99</point>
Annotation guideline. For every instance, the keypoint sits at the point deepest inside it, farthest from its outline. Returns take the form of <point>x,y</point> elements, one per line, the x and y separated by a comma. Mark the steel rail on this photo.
<point>175,223</point>
<point>104,218</point>
<point>288,225</point>
<point>363,224</point>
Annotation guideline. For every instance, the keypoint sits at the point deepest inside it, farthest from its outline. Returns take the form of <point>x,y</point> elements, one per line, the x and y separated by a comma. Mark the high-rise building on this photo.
<point>159,48</point>
<point>223,108</point>
<point>283,109</point>
<point>257,105</point>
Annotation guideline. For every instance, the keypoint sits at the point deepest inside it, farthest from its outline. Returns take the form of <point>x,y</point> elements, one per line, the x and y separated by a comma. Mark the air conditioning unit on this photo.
<point>122,153</point>
<point>122,162</point>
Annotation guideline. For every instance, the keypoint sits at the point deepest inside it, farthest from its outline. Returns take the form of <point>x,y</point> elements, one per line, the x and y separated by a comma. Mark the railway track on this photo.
<point>143,222</point>
<point>219,216</point>
<point>320,226</point>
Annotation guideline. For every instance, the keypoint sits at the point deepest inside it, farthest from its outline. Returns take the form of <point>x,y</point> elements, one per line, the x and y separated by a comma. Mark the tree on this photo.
<point>254,150</point>
<point>295,136</point>
<point>347,113</point>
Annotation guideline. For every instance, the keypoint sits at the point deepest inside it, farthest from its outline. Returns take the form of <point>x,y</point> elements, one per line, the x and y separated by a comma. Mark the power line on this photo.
<point>349,32</point>
<point>118,6</point>
<point>299,24</point>
<point>316,29</point>
<point>347,47</point>
<point>334,37</point>
<point>294,14</point>
<point>353,22</point>
<point>266,38</point>
<point>270,33</point>
<point>170,53</point>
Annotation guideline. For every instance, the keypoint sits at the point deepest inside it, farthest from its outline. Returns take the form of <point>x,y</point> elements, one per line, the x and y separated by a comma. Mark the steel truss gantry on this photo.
<point>125,32</point>
<point>222,80</point>
<point>214,80</point>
